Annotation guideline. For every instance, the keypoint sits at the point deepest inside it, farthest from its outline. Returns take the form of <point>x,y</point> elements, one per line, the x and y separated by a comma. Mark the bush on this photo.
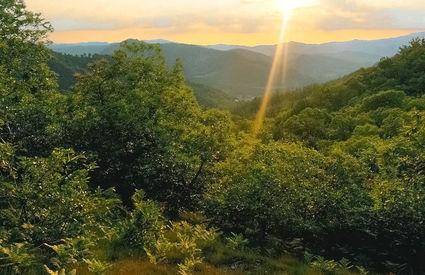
<point>48,215</point>
<point>182,243</point>
<point>283,191</point>
<point>144,226</point>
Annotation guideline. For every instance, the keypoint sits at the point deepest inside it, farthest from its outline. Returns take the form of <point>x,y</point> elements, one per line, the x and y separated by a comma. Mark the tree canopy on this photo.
<point>127,164</point>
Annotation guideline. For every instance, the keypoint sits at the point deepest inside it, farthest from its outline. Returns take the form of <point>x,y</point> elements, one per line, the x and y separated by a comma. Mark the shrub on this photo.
<point>47,212</point>
<point>144,226</point>
<point>182,243</point>
<point>280,190</point>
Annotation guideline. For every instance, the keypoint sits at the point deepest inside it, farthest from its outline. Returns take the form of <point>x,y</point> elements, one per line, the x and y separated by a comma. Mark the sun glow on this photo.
<point>279,63</point>
<point>287,5</point>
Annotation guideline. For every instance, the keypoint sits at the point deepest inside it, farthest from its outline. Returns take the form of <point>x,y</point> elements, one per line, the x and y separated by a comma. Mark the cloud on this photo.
<point>250,19</point>
<point>361,14</point>
<point>232,15</point>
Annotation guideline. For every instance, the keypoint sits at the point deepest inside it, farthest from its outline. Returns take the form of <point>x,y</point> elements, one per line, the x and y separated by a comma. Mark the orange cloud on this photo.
<point>247,22</point>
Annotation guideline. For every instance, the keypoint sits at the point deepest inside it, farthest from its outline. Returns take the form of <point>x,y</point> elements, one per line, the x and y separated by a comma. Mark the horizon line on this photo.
<point>166,41</point>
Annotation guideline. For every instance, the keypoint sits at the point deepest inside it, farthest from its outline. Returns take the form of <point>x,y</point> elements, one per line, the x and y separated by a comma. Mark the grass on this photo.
<point>143,267</point>
<point>218,259</point>
<point>247,263</point>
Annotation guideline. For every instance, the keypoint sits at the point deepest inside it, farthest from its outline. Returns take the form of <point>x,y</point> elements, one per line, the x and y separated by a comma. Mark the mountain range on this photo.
<point>242,71</point>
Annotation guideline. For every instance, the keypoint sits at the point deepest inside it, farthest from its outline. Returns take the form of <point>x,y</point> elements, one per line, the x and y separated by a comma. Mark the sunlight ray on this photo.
<point>278,69</point>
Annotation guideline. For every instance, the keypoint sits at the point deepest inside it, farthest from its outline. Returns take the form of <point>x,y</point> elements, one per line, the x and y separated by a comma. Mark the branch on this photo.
<point>198,172</point>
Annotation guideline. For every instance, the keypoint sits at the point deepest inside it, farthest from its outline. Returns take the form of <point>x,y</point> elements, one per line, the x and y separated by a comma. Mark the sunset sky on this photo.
<point>248,22</point>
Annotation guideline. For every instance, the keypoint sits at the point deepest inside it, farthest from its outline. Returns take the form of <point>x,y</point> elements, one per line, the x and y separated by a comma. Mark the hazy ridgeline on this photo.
<point>242,71</point>
<point>121,167</point>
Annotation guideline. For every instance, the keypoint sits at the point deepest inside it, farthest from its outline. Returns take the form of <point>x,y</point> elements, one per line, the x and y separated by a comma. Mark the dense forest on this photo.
<point>243,72</point>
<point>124,172</point>
<point>67,65</point>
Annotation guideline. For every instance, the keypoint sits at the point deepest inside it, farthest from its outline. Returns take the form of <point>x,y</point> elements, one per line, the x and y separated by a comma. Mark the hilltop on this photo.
<point>242,71</point>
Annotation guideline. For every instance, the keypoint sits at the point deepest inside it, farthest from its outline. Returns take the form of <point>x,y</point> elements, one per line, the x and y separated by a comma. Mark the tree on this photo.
<point>140,123</point>
<point>309,126</point>
<point>45,202</point>
<point>404,71</point>
<point>27,86</point>
<point>282,191</point>
<point>384,99</point>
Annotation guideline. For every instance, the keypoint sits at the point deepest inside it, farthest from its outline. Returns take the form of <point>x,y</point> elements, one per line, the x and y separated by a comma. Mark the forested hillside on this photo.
<point>243,73</point>
<point>126,173</point>
<point>67,68</point>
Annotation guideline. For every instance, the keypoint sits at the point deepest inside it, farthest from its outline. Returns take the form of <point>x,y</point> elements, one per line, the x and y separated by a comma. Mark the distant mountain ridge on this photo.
<point>242,71</point>
<point>380,47</point>
<point>94,47</point>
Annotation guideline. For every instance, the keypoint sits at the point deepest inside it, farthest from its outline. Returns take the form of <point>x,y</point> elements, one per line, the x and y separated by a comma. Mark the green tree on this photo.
<point>140,122</point>
<point>282,191</point>
<point>309,126</point>
<point>27,86</point>
<point>46,202</point>
<point>387,99</point>
<point>404,71</point>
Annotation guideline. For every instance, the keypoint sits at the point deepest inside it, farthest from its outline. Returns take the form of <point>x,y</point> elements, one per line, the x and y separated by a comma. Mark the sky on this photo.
<point>242,22</point>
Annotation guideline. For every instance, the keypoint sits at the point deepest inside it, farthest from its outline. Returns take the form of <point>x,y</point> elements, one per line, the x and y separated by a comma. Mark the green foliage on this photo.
<point>59,272</point>
<point>339,169</point>
<point>309,126</point>
<point>343,266</point>
<point>145,225</point>
<point>368,129</point>
<point>182,243</point>
<point>22,39</point>
<point>46,203</point>
<point>210,97</point>
<point>26,84</point>
<point>97,267</point>
<point>282,190</point>
<point>327,266</point>
<point>404,71</point>
<point>388,99</point>
<point>69,67</point>
<point>39,184</point>
<point>236,241</point>
<point>17,257</point>
<point>154,135</point>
